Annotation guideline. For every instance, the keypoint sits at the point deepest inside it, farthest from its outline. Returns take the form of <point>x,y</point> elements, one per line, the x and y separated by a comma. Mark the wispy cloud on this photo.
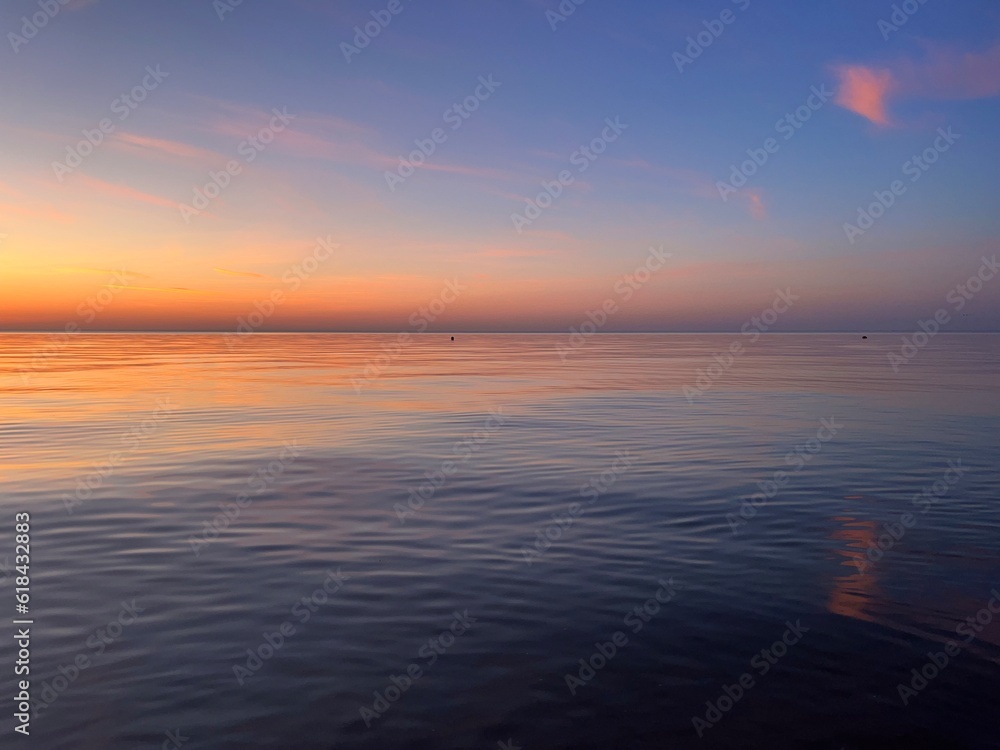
<point>943,74</point>
<point>949,74</point>
<point>179,289</point>
<point>549,234</point>
<point>507,253</point>
<point>104,271</point>
<point>329,138</point>
<point>164,148</point>
<point>497,174</point>
<point>43,212</point>
<point>309,136</point>
<point>227,272</point>
<point>331,145</point>
<point>24,203</point>
<point>124,192</point>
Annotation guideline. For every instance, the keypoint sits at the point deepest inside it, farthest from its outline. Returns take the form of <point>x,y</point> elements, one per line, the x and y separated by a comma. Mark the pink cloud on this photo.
<point>43,212</point>
<point>338,140</point>
<point>124,192</point>
<point>315,136</point>
<point>943,74</point>
<point>757,208</point>
<point>159,146</point>
<point>865,91</point>
<point>23,204</point>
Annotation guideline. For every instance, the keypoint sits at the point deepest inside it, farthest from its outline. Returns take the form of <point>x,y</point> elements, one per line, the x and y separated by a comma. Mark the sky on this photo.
<point>502,165</point>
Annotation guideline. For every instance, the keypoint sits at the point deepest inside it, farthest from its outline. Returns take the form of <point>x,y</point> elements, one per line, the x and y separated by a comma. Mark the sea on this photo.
<point>517,541</point>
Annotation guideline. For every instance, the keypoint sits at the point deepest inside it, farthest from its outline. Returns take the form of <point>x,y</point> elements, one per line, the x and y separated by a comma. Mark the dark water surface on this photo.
<point>568,494</point>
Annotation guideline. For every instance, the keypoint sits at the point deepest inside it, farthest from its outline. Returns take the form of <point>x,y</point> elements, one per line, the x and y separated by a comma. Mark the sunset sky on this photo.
<point>117,239</point>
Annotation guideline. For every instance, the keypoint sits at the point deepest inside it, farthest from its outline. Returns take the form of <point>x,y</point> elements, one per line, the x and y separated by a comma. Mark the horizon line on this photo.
<point>471,333</point>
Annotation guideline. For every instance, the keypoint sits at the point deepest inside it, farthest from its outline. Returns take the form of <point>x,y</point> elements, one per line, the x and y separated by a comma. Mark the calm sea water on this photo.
<point>331,541</point>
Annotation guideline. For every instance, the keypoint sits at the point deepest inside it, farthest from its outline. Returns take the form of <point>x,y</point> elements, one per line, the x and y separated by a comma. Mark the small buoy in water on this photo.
<point>452,338</point>
<point>864,337</point>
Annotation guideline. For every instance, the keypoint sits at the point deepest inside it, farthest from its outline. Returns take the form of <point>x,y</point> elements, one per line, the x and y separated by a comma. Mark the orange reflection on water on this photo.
<point>853,594</point>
